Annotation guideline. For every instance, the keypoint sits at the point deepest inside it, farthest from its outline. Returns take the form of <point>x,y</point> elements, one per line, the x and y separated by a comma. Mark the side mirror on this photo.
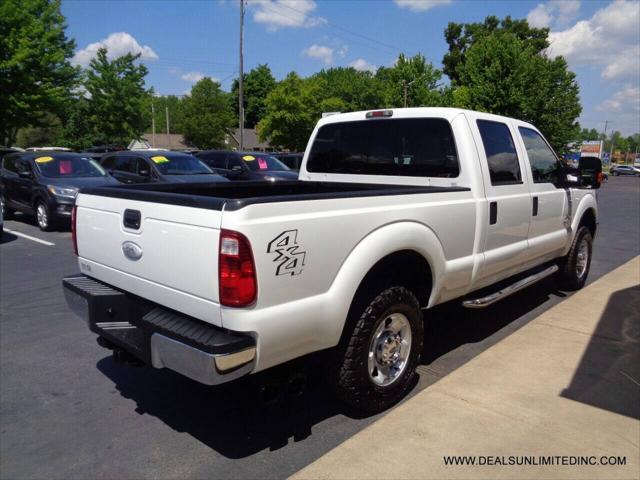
<point>590,172</point>
<point>144,173</point>
<point>237,168</point>
<point>25,175</point>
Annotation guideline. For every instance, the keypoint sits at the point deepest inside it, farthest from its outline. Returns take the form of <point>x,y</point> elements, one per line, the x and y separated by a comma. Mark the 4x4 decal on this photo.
<point>289,256</point>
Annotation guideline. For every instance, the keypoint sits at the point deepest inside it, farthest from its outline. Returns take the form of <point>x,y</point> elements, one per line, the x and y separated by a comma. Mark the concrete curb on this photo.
<point>566,384</point>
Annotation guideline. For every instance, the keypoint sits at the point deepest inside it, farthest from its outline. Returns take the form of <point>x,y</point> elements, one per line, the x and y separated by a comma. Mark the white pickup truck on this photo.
<point>394,212</point>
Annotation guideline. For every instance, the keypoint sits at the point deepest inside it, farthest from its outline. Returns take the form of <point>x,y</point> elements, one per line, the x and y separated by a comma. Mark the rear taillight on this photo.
<point>236,270</point>
<point>74,238</point>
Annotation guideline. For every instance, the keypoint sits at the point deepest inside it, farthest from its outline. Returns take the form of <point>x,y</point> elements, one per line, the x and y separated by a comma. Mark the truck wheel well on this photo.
<point>589,220</point>
<point>405,268</point>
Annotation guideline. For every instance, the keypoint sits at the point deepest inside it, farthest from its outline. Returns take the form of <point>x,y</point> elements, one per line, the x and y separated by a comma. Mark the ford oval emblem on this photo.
<point>132,250</point>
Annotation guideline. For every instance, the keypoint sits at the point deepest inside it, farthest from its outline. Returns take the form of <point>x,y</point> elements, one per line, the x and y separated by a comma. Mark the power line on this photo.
<point>395,48</point>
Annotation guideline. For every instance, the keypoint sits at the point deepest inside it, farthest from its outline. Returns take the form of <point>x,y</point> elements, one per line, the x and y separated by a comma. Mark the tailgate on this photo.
<point>171,259</point>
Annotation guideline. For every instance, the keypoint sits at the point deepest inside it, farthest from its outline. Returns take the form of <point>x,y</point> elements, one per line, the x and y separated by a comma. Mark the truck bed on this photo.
<point>234,196</point>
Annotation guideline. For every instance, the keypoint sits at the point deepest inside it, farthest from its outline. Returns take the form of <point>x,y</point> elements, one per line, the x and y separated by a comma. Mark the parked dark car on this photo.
<point>6,151</point>
<point>625,170</point>
<point>45,184</point>
<point>291,160</point>
<point>247,165</point>
<point>143,166</point>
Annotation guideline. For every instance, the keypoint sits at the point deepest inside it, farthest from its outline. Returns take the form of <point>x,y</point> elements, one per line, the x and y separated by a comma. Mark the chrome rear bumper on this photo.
<point>160,337</point>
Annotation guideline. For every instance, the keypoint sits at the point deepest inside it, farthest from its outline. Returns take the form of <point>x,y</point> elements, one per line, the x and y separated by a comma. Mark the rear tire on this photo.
<point>379,355</point>
<point>574,267</point>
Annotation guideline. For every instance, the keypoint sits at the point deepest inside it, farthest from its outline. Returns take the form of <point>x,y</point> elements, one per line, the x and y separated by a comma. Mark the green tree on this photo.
<point>173,103</point>
<point>47,133</point>
<point>357,90</point>
<point>417,76</point>
<point>257,84</point>
<point>462,36</point>
<point>292,110</point>
<point>506,76</point>
<point>117,94</point>
<point>79,130</point>
<point>35,74</point>
<point>207,115</point>
<point>586,134</point>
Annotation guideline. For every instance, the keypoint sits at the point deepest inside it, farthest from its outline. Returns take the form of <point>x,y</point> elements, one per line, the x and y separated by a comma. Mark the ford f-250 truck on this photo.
<point>395,211</point>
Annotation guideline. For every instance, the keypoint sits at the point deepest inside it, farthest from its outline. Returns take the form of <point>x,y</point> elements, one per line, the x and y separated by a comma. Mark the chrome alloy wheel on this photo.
<point>582,259</point>
<point>42,217</point>
<point>389,349</point>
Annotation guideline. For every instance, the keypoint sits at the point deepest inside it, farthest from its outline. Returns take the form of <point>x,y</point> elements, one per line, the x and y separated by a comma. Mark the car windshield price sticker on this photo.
<point>160,159</point>
<point>44,159</point>
<point>249,158</point>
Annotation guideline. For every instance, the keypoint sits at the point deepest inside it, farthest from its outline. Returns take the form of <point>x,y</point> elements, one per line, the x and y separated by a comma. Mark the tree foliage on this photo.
<point>505,75</point>
<point>207,115</point>
<point>36,77</point>
<point>462,36</point>
<point>117,94</point>
<point>257,84</point>
<point>418,76</point>
<point>292,109</point>
<point>355,89</point>
<point>162,103</point>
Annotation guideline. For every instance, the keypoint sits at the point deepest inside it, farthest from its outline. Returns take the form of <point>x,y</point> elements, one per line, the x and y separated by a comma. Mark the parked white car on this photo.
<point>395,211</point>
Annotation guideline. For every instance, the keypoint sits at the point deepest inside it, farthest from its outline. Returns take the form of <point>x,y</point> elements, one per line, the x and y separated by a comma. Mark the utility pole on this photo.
<point>406,87</point>
<point>240,96</point>
<point>153,125</point>
<point>166,113</point>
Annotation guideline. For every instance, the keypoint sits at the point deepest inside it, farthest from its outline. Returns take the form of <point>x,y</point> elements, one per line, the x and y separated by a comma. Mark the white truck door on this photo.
<point>507,194</point>
<point>548,233</point>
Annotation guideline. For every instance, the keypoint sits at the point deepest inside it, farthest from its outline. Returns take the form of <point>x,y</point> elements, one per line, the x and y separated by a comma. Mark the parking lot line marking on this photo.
<point>29,237</point>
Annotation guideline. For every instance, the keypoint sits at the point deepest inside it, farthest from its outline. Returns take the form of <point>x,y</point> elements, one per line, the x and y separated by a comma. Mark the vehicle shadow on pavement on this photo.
<point>58,226</point>
<point>7,237</point>
<point>238,419</point>
<point>608,375</point>
<point>264,411</point>
<point>451,326</point>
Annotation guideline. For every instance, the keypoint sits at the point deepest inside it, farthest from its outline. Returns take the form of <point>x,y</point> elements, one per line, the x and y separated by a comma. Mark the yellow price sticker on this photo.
<point>160,159</point>
<point>249,158</point>
<point>44,159</point>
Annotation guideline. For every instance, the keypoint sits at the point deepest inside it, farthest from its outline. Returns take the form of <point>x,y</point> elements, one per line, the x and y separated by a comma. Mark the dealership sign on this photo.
<point>591,148</point>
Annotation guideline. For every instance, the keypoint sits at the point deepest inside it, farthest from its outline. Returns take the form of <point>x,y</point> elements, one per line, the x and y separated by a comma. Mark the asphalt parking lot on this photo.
<point>68,411</point>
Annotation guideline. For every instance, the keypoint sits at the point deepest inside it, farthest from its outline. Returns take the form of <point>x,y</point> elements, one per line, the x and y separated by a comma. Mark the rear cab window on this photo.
<point>411,147</point>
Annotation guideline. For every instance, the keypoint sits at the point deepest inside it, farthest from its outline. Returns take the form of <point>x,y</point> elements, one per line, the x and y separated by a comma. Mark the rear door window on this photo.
<point>9,163</point>
<point>234,161</point>
<point>215,159</point>
<point>412,147</point>
<point>125,164</point>
<point>500,150</point>
<point>108,163</point>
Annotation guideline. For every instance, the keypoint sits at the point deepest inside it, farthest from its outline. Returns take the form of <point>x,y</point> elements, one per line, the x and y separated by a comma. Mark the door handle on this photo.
<point>493,213</point>
<point>535,206</point>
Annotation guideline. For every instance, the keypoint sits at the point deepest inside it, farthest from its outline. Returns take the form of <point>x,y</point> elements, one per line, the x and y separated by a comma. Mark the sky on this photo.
<point>181,41</point>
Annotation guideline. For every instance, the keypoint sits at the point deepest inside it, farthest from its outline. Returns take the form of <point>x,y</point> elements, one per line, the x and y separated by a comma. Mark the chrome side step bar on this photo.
<point>510,290</point>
